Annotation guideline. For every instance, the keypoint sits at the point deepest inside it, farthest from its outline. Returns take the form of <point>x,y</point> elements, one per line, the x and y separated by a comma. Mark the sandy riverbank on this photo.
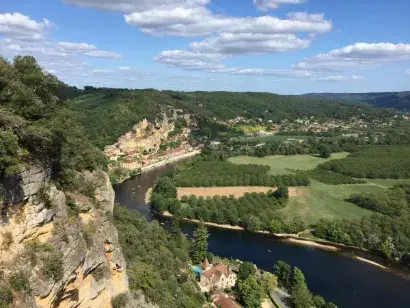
<point>291,238</point>
<point>169,161</point>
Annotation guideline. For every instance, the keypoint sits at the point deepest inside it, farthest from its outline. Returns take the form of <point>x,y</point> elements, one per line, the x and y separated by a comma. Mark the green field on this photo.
<point>327,201</point>
<point>386,183</point>
<point>249,129</point>
<point>280,164</point>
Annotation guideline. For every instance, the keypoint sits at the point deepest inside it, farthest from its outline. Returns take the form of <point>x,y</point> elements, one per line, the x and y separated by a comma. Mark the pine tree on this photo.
<point>200,244</point>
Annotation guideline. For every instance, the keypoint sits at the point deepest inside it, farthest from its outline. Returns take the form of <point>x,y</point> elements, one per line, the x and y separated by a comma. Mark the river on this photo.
<point>335,276</point>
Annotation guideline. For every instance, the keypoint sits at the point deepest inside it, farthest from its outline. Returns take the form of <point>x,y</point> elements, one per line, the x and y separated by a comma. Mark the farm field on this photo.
<point>237,191</point>
<point>327,201</point>
<point>280,164</point>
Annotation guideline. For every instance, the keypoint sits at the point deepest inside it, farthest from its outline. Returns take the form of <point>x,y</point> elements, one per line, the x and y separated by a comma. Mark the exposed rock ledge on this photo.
<point>92,261</point>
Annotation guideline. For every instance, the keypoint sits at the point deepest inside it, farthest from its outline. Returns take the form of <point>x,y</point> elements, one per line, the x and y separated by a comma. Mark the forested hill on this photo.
<point>109,113</point>
<point>396,100</point>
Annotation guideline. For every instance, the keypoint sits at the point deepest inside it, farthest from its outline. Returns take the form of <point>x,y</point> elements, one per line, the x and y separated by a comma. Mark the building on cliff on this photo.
<point>218,277</point>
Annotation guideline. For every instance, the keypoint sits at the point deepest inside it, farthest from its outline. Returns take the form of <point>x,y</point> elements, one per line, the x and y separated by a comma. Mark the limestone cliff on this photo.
<point>59,249</point>
<point>149,143</point>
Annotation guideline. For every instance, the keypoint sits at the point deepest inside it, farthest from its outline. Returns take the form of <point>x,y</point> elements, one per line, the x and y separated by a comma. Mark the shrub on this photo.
<point>19,282</point>
<point>89,231</point>
<point>72,209</point>
<point>53,266</point>
<point>6,296</point>
<point>119,301</point>
<point>7,240</point>
<point>100,272</point>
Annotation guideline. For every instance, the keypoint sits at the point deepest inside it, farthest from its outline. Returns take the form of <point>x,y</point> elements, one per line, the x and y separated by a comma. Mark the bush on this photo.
<point>53,266</point>
<point>119,301</point>
<point>88,233</point>
<point>7,240</point>
<point>19,282</point>
<point>100,272</point>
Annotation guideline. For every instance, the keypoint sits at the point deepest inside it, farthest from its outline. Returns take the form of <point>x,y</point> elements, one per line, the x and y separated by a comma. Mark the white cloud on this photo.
<point>76,47</point>
<point>136,5</point>
<point>244,43</point>
<point>359,55</point>
<point>208,63</point>
<point>18,26</point>
<point>201,22</point>
<point>103,54</point>
<point>341,78</point>
<point>265,5</point>
<point>408,72</point>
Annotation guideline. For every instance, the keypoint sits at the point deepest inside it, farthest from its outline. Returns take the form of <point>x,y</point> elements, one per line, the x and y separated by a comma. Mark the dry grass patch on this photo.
<point>237,191</point>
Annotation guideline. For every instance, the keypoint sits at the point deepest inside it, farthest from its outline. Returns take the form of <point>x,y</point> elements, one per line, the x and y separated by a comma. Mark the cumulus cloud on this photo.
<point>136,5</point>
<point>265,5</point>
<point>359,55</point>
<point>103,54</point>
<point>21,27</point>
<point>245,43</point>
<point>209,63</point>
<point>76,47</point>
<point>341,78</point>
<point>201,22</point>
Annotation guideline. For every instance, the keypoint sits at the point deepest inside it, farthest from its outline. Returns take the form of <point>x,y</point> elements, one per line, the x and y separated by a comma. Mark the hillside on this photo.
<point>396,100</point>
<point>109,113</point>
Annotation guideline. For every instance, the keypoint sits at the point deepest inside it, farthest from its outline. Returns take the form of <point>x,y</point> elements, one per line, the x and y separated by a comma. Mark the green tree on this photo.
<point>281,192</point>
<point>387,247</point>
<point>166,187</point>
<point>283,271</point>
<point>269,282</point>
<point>300,296</point>
<point>199,244</point>
<point>325,151</point>
<point>246,269</point>
<point>251,292</point>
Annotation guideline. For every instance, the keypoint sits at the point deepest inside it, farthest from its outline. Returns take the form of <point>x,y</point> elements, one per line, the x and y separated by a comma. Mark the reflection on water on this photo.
<point>340,279</point>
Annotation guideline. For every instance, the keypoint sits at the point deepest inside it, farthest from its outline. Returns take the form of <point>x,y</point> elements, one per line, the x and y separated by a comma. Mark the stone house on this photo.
<point>218,277</point>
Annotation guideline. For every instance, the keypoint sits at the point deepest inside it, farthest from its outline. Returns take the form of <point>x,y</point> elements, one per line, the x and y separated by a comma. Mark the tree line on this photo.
<point>293,280</point>
<point>379,162</point>
<point>384,234</point>
<point>223,173</point>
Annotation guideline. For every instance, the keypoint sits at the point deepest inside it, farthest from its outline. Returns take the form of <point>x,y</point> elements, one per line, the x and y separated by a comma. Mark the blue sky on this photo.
<point>281,46</point>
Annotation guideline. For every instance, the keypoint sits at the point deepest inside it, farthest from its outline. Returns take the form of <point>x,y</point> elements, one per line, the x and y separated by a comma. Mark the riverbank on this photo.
<point>162,163</point>
<point>293,239</point>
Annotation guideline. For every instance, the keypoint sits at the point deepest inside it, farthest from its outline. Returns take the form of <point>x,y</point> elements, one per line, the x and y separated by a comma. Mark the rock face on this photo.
<point>74,237</point>
<point>142,146</point>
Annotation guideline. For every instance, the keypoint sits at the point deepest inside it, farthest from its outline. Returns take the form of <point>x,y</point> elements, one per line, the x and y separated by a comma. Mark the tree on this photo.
<point>166,187</point>
<point>199,244</point>
<point>251,292</point>
<point>387,247</point>
<point>269,282</point>
<point>246,269</point>
<point>210,257</point>
<point>282,270</point>
<point>281,192</point>
<point>325,151</point>
<point>300,296</point>
<point>175,227</point>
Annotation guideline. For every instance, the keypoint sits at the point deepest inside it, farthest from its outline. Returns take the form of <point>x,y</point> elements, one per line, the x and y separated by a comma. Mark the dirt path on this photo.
<point>237,191</point>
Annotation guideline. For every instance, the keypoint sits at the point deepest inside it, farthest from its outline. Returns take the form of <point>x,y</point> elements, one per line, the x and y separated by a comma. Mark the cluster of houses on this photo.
<point>214,280</point>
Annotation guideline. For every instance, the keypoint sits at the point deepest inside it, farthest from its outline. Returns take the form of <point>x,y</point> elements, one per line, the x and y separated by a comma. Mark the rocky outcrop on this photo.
<point>64,243</point>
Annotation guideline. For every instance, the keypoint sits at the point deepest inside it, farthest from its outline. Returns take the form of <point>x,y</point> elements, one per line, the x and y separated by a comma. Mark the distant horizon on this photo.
<point>292,47</point>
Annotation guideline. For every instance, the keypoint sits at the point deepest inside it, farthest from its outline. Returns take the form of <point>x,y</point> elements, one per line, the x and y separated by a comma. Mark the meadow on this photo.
<point>280,164</point>
<point>328,201</point>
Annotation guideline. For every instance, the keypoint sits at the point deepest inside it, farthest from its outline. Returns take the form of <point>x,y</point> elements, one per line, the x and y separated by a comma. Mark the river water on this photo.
<point>335,276</point>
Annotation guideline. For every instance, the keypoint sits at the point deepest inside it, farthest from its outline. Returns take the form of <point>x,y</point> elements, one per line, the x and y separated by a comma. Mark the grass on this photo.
<point>249,129</point>
<point>386,183</point>
<point>327,201</point>
<point>280,164</point>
